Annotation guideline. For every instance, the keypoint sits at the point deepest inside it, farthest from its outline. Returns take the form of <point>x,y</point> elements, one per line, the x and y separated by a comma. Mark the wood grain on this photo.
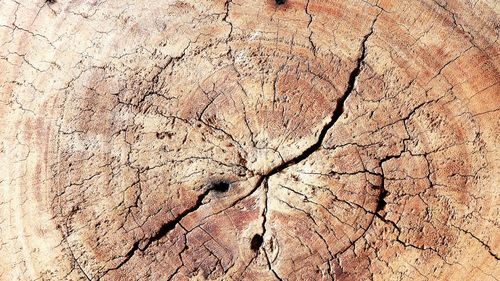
<point>249,140</point>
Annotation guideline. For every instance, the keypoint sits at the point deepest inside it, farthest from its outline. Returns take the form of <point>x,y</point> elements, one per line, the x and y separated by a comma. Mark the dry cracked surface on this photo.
<point>249,140</point>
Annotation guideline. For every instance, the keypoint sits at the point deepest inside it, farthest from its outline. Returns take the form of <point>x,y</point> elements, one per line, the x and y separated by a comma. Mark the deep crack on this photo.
<point>169,226</point>
<point>337,113</point>
<point>339,109</point>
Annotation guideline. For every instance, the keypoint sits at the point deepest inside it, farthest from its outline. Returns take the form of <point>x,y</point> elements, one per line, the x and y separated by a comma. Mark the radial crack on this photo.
<point>337,113</point>
<point>339,109</point>
<point>164,229</point>
<point>266,208</point>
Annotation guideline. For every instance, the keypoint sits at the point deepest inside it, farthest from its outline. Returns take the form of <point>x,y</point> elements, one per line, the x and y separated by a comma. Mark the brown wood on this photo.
<point>249,140</point>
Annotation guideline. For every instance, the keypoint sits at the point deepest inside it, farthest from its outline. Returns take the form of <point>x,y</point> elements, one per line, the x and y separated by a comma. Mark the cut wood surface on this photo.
<point>249,140</point>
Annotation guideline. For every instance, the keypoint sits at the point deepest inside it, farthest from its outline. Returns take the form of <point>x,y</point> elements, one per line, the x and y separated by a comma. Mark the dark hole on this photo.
<point>381,201</point>
<point>221,186</point>
<point>256,242</point>
<point>280,2</point>
<point>381,205</point>
<point>50,1</point>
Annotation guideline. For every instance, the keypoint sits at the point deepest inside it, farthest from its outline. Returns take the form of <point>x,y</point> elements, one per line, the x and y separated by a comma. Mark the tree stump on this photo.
<point>249,140</point>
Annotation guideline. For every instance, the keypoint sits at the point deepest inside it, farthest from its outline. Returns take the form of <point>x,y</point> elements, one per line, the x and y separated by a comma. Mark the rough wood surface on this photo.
<point>249,140</point>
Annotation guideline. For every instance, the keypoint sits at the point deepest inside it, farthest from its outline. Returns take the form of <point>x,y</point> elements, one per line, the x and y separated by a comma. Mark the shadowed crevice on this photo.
<point>337,113</point>
<point>220,186</point>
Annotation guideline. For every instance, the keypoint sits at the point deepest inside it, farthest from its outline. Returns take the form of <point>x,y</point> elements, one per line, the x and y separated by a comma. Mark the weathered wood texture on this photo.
<point>249,140</point>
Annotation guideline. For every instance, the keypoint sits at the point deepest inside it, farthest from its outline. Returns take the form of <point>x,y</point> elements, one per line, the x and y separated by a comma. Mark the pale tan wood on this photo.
<point>249,140</point>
